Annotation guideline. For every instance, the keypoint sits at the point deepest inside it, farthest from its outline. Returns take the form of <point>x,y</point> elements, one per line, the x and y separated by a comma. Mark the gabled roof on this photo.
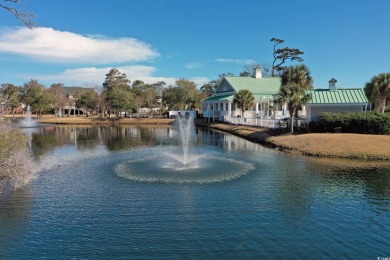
<point>259,86</point>
<point>71,91</point>
<point>340,96</point>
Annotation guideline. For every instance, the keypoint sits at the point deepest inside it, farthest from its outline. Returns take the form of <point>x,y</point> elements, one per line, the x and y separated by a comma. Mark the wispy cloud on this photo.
<point>192,65</point>
<point>236,61</point>
<point>49,45</point>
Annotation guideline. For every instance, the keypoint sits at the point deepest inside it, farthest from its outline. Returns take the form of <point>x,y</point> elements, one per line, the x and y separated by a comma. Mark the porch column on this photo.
<point>257,108</point>
<point>308,114</point>
<point>229,109</point>
<point>268,107</point>
<point>261,108</point>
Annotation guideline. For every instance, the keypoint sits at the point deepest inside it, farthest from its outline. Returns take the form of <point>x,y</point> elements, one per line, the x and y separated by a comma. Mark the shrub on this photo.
<point>362,123</point>
<point>16,165</point>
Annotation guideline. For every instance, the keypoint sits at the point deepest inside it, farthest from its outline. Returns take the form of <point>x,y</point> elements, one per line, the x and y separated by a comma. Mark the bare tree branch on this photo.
<point>25,17</point>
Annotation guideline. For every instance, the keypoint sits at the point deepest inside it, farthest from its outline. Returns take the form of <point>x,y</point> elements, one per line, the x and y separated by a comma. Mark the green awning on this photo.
<point>230,98</point>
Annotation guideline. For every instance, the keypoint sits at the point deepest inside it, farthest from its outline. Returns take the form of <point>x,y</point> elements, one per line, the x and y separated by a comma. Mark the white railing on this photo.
<point>262,122</point>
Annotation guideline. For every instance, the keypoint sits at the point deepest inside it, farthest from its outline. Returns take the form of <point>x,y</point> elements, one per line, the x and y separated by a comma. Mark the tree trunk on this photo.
<point>292,114</point>
<point>383,104</point>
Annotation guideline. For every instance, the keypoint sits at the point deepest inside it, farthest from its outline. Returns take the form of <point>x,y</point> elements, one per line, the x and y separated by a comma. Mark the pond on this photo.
<point>114,192</point>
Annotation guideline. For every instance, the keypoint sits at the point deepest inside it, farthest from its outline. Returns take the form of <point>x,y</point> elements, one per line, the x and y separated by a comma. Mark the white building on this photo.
<point>220,106</point>
<point>266,112</point>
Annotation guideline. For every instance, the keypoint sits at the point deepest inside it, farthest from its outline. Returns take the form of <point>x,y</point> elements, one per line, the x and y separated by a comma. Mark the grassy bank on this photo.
<point>353,146</point>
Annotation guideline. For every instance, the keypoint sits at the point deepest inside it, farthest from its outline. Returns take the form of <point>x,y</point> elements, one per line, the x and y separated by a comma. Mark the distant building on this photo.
<point>69,93</point>
<point>266,111</point>
<point>185,113</point>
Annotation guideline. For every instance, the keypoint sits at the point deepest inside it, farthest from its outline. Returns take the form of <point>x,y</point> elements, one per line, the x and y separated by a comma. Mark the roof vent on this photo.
<point>332,84</point>
<point>258,73</point>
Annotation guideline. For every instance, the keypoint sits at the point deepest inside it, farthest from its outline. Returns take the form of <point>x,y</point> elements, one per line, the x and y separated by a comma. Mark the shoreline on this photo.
<point>326,145</point>
<point>330,145</point>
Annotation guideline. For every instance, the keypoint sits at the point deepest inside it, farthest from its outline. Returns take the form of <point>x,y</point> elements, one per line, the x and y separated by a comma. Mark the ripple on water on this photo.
<point>203,168</point>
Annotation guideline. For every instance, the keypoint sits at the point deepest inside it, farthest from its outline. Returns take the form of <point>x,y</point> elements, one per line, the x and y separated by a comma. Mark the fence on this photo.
<point>262,122</point>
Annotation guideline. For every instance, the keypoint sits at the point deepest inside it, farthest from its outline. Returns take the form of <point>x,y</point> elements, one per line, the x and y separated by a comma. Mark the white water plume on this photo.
<point>27,121</point>
<point>186,130</point>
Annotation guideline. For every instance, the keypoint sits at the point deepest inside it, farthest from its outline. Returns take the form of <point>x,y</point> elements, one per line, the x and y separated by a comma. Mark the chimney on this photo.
<point>258,73</point>
<point>332,84</point>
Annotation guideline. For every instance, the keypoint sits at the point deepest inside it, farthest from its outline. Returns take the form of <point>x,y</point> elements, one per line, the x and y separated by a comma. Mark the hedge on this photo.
<point>362,123</point>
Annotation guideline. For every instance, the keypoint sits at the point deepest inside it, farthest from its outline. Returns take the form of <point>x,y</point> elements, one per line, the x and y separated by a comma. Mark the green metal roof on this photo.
<point>267,86</point>
<point>340,96</point>
<point>260,88</point>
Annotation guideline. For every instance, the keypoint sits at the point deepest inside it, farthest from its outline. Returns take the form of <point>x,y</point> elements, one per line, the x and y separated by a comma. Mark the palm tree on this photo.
<point>244,99</point>
<point>296,80</point>
<point>378,91</point>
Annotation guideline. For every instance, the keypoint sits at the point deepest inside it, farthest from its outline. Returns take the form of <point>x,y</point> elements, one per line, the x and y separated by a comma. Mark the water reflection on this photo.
<point>46,139</point>
<point>298,187</point>
<point>370,179</point>
<point>14,212</point>
<point>301,205</point>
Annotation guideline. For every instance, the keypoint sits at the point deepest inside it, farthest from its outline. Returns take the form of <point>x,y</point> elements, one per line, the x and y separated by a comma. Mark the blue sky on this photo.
<point>77,42</point>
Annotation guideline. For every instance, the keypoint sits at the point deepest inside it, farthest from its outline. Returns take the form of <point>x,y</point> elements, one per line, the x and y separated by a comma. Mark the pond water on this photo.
<point>113,192</point>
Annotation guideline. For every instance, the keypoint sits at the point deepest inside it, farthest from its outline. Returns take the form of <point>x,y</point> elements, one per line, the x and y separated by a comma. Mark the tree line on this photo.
<point>117,94</point>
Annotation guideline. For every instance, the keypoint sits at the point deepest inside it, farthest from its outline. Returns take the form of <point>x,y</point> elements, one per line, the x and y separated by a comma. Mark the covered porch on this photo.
<point>222,108</point>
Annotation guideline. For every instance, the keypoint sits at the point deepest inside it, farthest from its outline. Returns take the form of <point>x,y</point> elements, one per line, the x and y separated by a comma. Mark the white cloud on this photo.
<point>47,44</point>
<point>199,81</point>
<point>237,61</point>
<point>93,75</point>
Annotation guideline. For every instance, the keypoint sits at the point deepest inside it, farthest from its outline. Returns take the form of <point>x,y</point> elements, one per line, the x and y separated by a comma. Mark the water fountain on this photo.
<point>186,131</point>
<point>27,121</point>
<point>183,163</point>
